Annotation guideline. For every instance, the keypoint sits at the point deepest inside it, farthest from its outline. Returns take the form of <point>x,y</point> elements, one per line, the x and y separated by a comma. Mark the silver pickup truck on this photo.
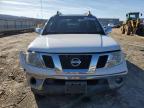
<point>73,54</point>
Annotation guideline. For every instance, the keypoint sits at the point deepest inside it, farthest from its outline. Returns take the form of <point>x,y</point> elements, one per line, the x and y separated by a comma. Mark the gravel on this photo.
<point>15,93</point>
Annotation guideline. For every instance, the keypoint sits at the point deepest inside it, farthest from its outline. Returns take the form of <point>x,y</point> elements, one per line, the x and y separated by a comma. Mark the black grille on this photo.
<point>102,61</point>
<point>48,61</point>
<point>66,61</point>
<point>62,82</point>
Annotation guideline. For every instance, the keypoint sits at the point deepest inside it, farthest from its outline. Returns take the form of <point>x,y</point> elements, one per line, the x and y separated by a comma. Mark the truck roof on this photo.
<point>74,15</point>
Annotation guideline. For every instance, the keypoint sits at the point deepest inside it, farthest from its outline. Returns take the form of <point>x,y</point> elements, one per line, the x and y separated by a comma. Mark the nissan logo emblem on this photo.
<point>75,62</point>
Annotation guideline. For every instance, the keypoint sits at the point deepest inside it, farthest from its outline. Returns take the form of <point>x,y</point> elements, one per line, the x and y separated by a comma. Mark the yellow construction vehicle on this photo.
<point>133,24</point>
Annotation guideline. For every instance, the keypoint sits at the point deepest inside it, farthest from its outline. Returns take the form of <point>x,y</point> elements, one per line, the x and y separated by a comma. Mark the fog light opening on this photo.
<point>33,81</point>
<point>119,80</point>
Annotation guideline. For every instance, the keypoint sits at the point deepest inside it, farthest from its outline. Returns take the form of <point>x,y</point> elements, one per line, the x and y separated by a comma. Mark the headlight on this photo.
<point>115,58</point>
<point>34,59</point>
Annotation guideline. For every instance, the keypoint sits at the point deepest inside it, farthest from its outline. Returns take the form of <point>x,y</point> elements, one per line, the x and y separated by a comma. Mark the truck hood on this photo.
<point>73,43</point>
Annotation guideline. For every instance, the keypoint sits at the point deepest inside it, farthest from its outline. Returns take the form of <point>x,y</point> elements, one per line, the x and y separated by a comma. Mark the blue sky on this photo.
<point>100,8</point>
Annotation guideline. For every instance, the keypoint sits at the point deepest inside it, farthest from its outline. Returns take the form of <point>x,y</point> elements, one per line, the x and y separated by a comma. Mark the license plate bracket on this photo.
<point>75,87</point>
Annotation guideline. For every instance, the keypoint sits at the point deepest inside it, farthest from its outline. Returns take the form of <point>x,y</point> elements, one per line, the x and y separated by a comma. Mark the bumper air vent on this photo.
<point>102,61</point>
<point>48,61</point>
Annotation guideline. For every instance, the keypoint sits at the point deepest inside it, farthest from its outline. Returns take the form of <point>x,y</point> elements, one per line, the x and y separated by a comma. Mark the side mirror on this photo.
<point>108,30</point>
<point>141,14</point>
<point>38,30</point>
<point>104,27</point>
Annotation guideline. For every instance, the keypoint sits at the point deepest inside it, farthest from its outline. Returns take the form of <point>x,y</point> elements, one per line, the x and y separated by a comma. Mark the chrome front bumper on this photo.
<point>110,83</point>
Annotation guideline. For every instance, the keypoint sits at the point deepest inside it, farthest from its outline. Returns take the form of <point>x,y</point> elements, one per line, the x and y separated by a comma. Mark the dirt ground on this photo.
<point>14,92</point>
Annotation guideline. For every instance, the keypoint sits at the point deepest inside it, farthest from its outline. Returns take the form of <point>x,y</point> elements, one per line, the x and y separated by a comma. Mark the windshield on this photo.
<point>134,16</point>
<point>73,25</point>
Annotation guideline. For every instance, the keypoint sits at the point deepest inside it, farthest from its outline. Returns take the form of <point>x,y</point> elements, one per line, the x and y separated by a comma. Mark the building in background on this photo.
<point>106,21</point>
<point>10,23</point>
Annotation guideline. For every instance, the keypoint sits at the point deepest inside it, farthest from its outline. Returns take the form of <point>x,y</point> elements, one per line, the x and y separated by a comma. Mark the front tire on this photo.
<point>123,30</point>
